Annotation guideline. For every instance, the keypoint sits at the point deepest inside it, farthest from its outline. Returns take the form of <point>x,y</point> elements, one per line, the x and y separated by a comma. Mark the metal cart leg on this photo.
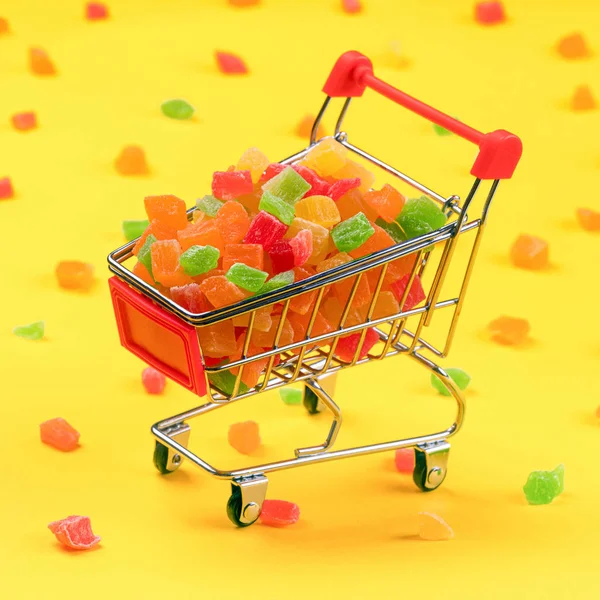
<point>312,401</point>
<point>431,465</point>
<point>166,459</point>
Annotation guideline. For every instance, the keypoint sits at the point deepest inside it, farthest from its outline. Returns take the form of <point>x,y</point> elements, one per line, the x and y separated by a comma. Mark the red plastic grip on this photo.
<point>158,337</point>
<point>499,151</point>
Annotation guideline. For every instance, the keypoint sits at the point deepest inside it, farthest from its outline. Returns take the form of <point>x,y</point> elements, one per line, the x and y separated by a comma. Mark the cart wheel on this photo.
<point>311,401</point>
<point>234,508</point>
<point>431,466</point>
<point>162,462</point>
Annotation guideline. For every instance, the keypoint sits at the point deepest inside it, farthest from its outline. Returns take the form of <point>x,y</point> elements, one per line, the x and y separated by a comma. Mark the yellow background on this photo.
<point>528,408</point>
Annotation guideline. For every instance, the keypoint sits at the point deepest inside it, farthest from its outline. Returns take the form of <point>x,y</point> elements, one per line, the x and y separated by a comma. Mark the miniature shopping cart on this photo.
<point>165,335</point>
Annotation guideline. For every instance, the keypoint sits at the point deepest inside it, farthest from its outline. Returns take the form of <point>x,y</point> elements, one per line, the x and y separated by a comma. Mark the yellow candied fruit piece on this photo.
<point>320,238</point>
<point>255,161</point>
<point>326,158</point>
<point>353,169</point>
<point>318,209</point>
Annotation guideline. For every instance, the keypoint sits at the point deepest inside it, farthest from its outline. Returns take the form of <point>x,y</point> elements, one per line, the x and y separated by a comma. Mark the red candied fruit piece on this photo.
<point>416,294</point>
<point>279,513</point>
<point>265,230</point>
<point>302,246</point>
<point>318,186</point>
<point>24,121</point>
<point>59,434</point>
<point>74,532</point>
<point>229,185</point>
<point>282,257</point>
<point>6,189</point>
<point>153,381</point>
<point>405,460</point>
<point>347,345</point>
<point>489,13</point>
<point>96,11</point>
<point>191,298</point>
<point>270,172</point>
<point>342,186</point>
<point>230,63</point>
<point>351,6</point>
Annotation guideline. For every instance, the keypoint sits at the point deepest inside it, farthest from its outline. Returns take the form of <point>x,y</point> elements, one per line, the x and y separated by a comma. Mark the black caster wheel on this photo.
<point>427,477</point>
<point>311,401</point>
<point>162,462</point>
<point>235,508</point>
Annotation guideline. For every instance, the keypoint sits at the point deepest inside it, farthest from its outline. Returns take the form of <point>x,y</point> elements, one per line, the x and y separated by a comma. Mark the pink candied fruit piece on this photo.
<point>230,63</point>
<point>74,532</point>
<point>346,347</point>
<point>302,246</point>
<point>404,460</point>
<point>153,381</point>
<point>24,121</point>
<point>415,296</point>
<point>318,186</point>
<point>191,298</point>
<point>341,187</point>
<point>489,13</point>
<point>96,11</point>
<point>351,6</point>
<point>279,513</point>
<point>59,434</point>
<point>6,188</point>
<point>265,230</point>
<point>229,185</point>
<point>282,256</point>
<point>270,172</point>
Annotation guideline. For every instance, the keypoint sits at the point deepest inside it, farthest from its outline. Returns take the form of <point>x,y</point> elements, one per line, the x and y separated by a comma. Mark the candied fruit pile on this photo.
<point>267,225</point>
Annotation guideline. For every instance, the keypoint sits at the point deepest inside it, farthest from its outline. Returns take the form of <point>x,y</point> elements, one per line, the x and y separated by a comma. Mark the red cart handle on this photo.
<point>499,151</point>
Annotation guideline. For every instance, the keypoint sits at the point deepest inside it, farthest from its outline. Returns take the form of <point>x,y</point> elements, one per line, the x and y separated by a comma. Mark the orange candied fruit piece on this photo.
<point>378,241</point>
<point>220,291</point>
<point>203,233</point>
<point>386,306</point>
<point>573,47</point>
<point>303,303</point>
<point>353,202</point>
<point>509,331</point>
<point>255,161</point>
<point>233,222</point>
<point>140,270</point>
<point>343,288</point>
<point>387,201</point>
<point>326,158</point>
<point>159,231</point>
<point>262,319</point>
<point>332,310</point>
<point>266,339</point>
<point>132,161</point>
<point>396,269</point>
<point>300,325</point>
<point>252,370</point>
<point>353,169</point>
<point>320,238</point>
<point>321,210</point>
<point>583,99</point>
<point>250,201</point>
<point>168,210</point>
<point>75,275</point>
<point>304,128</point>
<point>244,437</point>
<point>165,263</point>
<point>252,255</point>
<point>529,252</point>
<point>218,340</point>
<point>589,219</point>
<point>4,26</point>
<point>40,63</point>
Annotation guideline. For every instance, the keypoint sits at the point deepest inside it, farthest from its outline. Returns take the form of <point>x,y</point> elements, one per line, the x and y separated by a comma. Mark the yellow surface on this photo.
<point>528,408</point>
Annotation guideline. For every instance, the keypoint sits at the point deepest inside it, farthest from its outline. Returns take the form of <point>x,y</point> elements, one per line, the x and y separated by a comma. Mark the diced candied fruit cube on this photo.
<point>378,241</point>
<point>277,281</point>
<point>177,108</point>
<point>134,229</point>
<point>509,331</point>
<point>343,288</point>
<point>583,99</point>
<point>209,205</point>
<point>153,381</point>
<point>460,377</point>
<point>305,125</point>
<point>230,64</point>
<point>244,437</point>
<point>302,246</point>
<point>489,13</point>
<point>191,298</point>
<point>32,331</point>
<point>388,202</point>
<point>332,311</point>
<point>290,396</point>
<point>40,63</point>
<point>24,121</point>
<point>132,161</point>
<point>229,185</point>
<point>282,210</point>
<point>351,203</point>
<point>233,222</point>
<point>221,292</point>
<point>203,233</point>
<point>158,231</point>
<point>318,186</point>
<point>420,216</point>
<point>266,339</point>
<point>6,188</point>
<point>352,233</point>
<point>304,302</point>
<point>166,268</point>
<point>75,275</point>
<point>393,229</point>
<point>144,254</point>
<point>287,185</point>
<point>318,209</point>
<point>59,434</point>
<point>96,11</point>
<point>282,256</point>
<point>197,260</point>
<point>529,252</point>
<point>351,7</point>
<point>142,272</point>
<point>255,161</point>
<point>348,345</point>
<point>265,230</point>
<point>4,26</point>
<point>252,370</point>
<point>415,296</point>
<point>326,158</point>
<point>279,513</point>
<point>320,238</point>
<point>249,254</point>
<point>217,340</point>
<point>168,210</point>
<point>404,459</point>
<point>74,532</point>
<point>341,187</point>
<point>246,277</point>
<point>262,319</point>
<point>588,219</point>
<point>542,487</point>
<point>573,47</point>
<point>353,169</point>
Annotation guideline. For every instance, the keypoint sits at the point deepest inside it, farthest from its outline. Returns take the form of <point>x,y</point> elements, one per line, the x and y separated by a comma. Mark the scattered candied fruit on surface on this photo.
<point>33,331</point>
<point>461,378</point>
<point>132,161</point>
<point>583,99</point>
<point>304,128</point>
<point>433,528</point>
<point>588,219</point>
<point>75,275</point>
<point>244,2</point>
<point>96,11</point>
<point>351,7</point>
<point>244,437</point>
<point>133,229</point>
<point>59,434</point>
<point>530,252</point>
<point>290,396</point>
<point>542,487</point>
<point>573,47</point>
<point>489,13</point>
<point>509,331</point>
<point>177,108</point>
<point>74,532</point>
<point>404,459</point>
<point>230,64</point>
<point>153,381</point>
<point>4,26</point>
<point>279,513</point>
<point>6,188</point>
<point>24,121</point>
<point>40,63</point>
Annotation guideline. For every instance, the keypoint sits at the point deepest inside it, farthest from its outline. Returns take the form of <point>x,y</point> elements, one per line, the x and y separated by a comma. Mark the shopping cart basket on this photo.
<point>166,336</point>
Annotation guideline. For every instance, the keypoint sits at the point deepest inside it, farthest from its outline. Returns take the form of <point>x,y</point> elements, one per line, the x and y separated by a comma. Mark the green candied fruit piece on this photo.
<point>33,331</point>
<point>224,381</point>
<point>209,205</point>
<point>542,487</point>
<point>392,229</point>
<point>560,475</point>
<point>277,207</point>
<point>419,216</point>
<point>199,259</point>
<point>352,233</point>
<point>287,185</point>
<point>290,396</point>
<point>246,277</point>
<point>441,130</point>
<point>277,281</point>
<point>144,255</point>
<point>461,379</point>
<point>177,109</point>
<point>133,229</point>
